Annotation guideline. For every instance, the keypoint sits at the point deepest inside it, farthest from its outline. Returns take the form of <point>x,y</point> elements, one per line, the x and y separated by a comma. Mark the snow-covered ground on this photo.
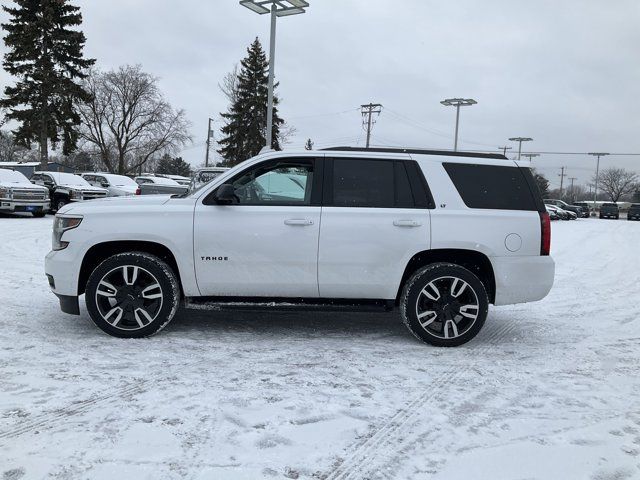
<point>548,390</point>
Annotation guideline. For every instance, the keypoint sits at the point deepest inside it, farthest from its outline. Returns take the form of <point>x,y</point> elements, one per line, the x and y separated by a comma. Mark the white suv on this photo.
<point>438,234</point>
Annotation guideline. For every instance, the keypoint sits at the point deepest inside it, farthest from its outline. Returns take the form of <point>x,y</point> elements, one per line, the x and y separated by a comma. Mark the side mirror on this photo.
<point>105,185</point>
<point>226,194</point>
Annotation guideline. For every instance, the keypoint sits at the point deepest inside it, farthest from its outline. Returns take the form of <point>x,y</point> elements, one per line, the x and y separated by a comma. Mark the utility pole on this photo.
<point>504,150</point>
<point>573,192</point>
<point>520,140</point>
<point>457,102</point>
<point>531,156</point>
<point>562,175</point>
<point>367,122</point>
<point>209,135</point>
<point>595,189</point>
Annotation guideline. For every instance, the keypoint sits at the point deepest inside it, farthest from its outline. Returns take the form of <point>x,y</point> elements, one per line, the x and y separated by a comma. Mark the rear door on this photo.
<point>375,217</point>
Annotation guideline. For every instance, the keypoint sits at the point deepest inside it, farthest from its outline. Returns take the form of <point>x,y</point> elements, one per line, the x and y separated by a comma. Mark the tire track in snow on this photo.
<point>49,419</point>
<point>392,430</point>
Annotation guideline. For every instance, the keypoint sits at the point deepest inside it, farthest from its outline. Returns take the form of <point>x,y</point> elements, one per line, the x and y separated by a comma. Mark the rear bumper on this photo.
<point>522,279</point>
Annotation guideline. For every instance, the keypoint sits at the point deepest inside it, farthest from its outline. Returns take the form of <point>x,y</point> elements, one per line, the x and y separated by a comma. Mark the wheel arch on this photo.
<point>475,261</point>
<point>101,251</point>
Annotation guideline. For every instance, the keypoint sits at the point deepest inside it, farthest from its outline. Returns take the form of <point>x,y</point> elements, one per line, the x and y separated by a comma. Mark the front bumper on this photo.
<point>62,268</point>
<point>24,206</point>
<point>522,279</point>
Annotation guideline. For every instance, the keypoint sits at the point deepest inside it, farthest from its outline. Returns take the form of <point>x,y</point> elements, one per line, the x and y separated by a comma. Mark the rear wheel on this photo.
<point>444,304</point>
<point>132,295</point>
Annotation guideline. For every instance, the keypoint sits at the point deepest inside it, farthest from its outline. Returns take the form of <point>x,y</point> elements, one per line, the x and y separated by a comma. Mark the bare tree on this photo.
<point>229,85</point>
<point>128,121</point>
<point>617,182</point>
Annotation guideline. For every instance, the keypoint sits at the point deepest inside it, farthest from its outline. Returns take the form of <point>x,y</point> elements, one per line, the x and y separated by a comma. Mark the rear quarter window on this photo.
<point>495,187</point>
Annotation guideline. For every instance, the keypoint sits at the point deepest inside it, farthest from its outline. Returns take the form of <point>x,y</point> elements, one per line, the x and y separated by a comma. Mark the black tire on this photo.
<point>39,214</point>
<point>60,202</point>
<point>449,306</point>
<point>123,280</point>
<point>617,217</point>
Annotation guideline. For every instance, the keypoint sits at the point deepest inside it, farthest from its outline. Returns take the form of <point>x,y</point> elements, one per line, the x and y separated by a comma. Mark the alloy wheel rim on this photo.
<point>129,297</point>
<point>447,307</point>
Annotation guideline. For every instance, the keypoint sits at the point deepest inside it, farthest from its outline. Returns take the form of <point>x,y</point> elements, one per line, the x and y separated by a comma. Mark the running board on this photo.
<point>287,304</point>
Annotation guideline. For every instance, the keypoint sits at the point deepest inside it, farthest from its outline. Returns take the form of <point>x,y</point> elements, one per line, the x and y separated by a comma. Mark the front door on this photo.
<point>266,243</point>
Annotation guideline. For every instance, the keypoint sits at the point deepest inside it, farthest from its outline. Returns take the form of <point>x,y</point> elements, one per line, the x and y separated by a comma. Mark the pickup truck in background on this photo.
<point>18,194</point>
<point>152,185</point>
<point>610,210</point>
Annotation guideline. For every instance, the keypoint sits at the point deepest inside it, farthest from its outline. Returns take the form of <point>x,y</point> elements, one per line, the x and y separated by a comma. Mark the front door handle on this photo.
<point>407,223</point>
<point>303,222</point>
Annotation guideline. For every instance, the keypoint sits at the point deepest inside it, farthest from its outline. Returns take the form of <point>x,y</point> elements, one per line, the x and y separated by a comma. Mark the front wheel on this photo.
<point>39,213</point>
<point>132,295</point>
<point>61,202</point>
<point>444,304</point>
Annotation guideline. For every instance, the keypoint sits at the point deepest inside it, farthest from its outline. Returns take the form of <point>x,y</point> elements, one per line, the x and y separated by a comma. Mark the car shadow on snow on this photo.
<point>349,326</point>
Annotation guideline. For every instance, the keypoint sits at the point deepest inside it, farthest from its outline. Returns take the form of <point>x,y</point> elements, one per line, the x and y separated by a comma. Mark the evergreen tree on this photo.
<point>542,182</point>
<point>45,55</point>
<point>173,166</point>
<point>308,144</point>
<point>244,133</point>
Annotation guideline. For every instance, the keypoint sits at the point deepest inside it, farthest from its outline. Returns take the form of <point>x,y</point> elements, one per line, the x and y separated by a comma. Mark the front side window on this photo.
<point>279,183</point>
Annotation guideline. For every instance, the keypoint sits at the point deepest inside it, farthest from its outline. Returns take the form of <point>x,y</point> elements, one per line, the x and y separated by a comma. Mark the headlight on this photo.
<point>46,194</point>
<point>5,192</point>
<point>61,225</point>
<point>75,194</point>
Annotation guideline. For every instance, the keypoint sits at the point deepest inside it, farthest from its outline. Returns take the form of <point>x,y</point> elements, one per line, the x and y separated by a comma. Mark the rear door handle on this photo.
<point>303,222</point>
<point>407,223</point>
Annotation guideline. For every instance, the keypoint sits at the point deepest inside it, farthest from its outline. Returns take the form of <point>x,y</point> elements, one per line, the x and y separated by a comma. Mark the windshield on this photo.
<point>69,179</point>
<point>120,181</point>
<point>11,176</point>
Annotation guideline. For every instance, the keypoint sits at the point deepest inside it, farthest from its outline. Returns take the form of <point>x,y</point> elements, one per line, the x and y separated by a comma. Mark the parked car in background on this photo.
<point>66,188</point>
<point>186,181</point>
<point>202,176</point>
<point>117,185</point>
<point>152,185</point>
<point>18,194</point>
<point>565,206</point>
<point>585,208</point>
<point>609,210</point>
<point>562,214</point>
<point>553,214</point>
<point>634,212</point>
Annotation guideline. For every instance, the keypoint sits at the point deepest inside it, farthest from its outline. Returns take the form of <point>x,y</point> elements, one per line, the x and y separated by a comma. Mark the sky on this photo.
<point>564,73</point>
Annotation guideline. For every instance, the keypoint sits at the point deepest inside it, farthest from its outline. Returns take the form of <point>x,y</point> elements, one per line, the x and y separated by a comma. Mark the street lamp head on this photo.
<point>598,154</point>
<point>521,139</point>
<point>462,102</point>
<point>283,8</point>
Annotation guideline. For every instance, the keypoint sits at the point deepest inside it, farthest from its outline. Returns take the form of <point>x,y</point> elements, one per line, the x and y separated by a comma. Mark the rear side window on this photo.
<point>375,184</point>
<point>494,187</point>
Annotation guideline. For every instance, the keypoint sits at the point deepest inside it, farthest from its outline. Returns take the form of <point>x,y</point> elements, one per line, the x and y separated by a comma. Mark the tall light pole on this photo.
<point>209,135</point>
<point>278,8</point>
<point>520,140</point>
<point>457,102</point>
<point>595,188</point>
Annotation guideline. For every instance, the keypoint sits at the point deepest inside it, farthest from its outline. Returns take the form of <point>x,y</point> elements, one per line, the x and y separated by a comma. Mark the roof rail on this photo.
<point>417,151</point>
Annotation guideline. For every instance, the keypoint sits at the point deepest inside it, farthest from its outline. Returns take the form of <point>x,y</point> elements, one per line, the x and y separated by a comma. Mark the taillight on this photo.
<point>138,192</point>
<point>545,231</point>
